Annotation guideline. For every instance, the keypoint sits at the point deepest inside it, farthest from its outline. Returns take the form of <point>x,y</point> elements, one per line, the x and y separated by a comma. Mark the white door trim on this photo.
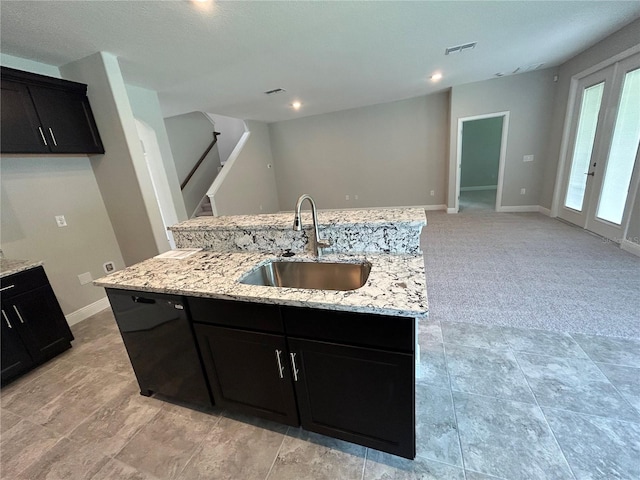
<point>558,191</point>
<point>503,156</point>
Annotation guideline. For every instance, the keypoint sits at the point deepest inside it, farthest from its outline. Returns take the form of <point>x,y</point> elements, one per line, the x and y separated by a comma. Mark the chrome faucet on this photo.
<point>297,223</point>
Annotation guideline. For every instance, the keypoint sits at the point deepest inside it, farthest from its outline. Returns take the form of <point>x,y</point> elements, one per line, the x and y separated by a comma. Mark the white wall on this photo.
<point>121,173</point>
<point>529,99</point>
<point>35,188</point>
<point>189,136</point>
<point>146,108</point>
<point>391,154</point>
<point>247,183</point>
<point>231,130</point>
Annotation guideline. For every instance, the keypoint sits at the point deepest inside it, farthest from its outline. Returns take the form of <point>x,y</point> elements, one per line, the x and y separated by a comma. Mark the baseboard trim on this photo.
<point>478,188</point>
<point>452,210</point>
<point>85,312</point>
<point>631,247</point>
<point>544,211</point>
<point>518,208</point>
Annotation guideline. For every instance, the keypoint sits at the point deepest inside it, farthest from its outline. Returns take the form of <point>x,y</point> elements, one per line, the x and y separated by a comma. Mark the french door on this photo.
<point>603,166</point>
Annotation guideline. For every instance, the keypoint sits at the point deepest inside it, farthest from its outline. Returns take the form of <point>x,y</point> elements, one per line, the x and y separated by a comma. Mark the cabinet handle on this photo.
<point>42,135</point>
<point>293,363</point>
<point>53,137</point>
<point>18,313</point>
<point>6,319</point>
<point>6,288</point>
<point>280,368</point>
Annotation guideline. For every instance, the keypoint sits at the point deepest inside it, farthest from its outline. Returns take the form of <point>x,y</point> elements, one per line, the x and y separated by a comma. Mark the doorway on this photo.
<point>601,176</point>
<point>482,143</point>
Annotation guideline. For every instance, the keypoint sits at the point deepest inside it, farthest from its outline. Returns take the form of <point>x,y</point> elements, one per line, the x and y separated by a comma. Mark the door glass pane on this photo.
<point>587,123</point>
<point>622,155</point>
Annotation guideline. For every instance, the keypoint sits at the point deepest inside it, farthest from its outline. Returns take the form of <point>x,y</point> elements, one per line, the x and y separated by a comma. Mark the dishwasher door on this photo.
<point>160,343</point>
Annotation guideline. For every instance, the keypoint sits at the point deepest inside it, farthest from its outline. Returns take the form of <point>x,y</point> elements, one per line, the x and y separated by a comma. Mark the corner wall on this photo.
<point>529,99</point>
<point>35,188</point>
<point>625,39</point>
<point>247,184</point>
<point>121,173</point>
<point>390,154</point>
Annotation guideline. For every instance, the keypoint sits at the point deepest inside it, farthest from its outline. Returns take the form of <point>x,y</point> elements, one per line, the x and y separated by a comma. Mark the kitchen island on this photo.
<point>341,363</point>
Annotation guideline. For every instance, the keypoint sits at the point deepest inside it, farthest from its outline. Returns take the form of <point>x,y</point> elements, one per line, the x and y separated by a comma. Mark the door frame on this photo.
<point>572,105</point>
<point>503,155</point>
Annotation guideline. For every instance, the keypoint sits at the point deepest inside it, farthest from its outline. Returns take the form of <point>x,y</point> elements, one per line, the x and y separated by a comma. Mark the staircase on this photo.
<point>205,208</point>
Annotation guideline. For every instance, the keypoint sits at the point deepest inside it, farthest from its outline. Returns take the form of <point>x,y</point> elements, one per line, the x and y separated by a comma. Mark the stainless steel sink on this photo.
<point>318,275</point>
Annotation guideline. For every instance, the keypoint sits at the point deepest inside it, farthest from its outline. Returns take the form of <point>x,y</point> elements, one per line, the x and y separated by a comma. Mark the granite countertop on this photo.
<point>396,284</point>
<point>414,217</point>
<point>10,266</point>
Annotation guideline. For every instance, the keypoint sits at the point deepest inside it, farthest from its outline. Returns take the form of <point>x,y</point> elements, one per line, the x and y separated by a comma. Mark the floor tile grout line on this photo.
<point>546,421</point>
<point>364,464</point>
<point>204,438</point>
<point>624,398</point>
<point>132,437</point>
<point>453,405</point>
<point>275,458</point>
<point>42,454</point>
<point>591,415</point>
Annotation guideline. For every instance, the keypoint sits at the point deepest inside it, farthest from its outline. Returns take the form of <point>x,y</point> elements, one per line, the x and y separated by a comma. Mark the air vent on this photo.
<point>460,48</point>
<point>275,91</point>
<point>528,68</point>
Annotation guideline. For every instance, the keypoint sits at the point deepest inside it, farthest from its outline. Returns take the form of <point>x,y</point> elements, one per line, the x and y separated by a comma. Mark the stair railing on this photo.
<point>200,160</point>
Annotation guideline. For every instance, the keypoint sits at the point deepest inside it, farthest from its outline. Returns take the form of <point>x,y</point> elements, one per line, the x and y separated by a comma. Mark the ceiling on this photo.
<point>220,57</point>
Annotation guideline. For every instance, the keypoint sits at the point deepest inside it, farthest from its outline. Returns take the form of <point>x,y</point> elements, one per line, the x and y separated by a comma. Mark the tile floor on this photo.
<point>491,403</point>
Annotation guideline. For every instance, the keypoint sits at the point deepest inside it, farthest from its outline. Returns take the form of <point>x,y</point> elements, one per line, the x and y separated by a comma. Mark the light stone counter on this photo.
<point>9,266</point>
<point>396,285</point>
<point>394,230</point>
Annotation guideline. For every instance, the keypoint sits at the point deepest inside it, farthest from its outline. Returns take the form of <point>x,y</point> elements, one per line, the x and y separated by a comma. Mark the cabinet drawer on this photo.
<point>22,282</point>
<point>251,316</point>
<point>358,329</point>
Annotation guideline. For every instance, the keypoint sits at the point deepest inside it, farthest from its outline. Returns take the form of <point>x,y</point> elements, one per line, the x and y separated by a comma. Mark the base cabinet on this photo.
<point>347,375</point>
<point>361,395</point>
<point>34,328</point>
<point>249,371</point>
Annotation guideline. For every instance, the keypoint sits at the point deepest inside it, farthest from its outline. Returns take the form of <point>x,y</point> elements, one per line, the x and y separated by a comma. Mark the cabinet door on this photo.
<point>20,123</point>
<point>15,357</point>
<point>41,322</point>
<point>361,395</point>
<point>67,120</point>
<point>248,372</point>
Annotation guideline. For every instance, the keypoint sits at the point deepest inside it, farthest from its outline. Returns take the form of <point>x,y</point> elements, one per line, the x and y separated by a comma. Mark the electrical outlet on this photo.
<point>528,158</point>
<point>355,197</point>
<point>85,278</point>
<point>432,193</point>
<point>108,267</point>
<point>61,221</point>
<point>346,197</point>
<point>260,207</point>
<point>523,191</point>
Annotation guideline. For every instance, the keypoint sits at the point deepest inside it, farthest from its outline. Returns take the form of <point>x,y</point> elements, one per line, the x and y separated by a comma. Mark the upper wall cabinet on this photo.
<point>46,115</point>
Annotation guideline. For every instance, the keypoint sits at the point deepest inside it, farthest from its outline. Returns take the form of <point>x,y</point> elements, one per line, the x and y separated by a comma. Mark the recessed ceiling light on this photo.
<point>296,105</point>
<point>436,76</point>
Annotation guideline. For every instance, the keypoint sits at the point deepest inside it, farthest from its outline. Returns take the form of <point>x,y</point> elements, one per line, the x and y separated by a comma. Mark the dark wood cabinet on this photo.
<point>34,328</point>
<point>342,374</point>
<point>361,395</point>
<point>249,372</point>
<point>46,115</point>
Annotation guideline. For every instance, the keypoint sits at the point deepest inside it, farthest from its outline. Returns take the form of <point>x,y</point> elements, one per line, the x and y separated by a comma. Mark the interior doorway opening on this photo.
<point>482,142</point>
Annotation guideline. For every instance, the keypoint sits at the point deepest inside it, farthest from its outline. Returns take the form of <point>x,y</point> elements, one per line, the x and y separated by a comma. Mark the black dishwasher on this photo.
<point>160,343</point>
